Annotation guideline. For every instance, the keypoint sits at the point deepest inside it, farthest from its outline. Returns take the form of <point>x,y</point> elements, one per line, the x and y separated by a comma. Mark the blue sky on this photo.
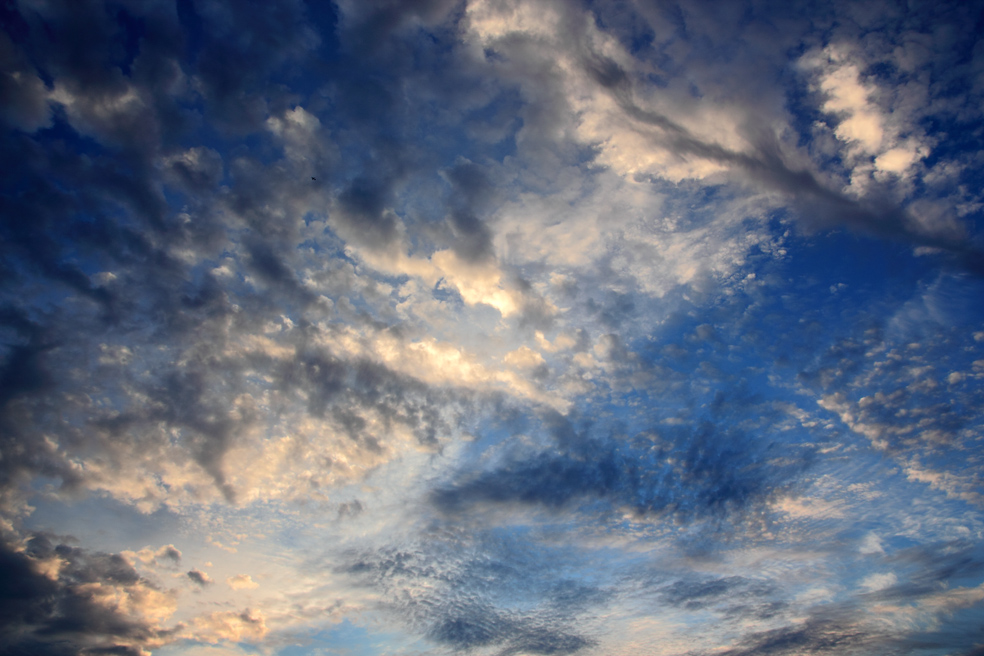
<point>492,327</point>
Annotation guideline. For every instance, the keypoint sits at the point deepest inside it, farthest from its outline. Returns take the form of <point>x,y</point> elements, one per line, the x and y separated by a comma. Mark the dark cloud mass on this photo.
<point>491,327</point>
<point>63,600</point>
<point>690,474</point>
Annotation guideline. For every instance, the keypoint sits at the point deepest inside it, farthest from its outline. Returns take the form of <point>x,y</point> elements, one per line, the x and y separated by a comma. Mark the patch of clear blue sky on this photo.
<point>342,639</point>
<point>349,639</point>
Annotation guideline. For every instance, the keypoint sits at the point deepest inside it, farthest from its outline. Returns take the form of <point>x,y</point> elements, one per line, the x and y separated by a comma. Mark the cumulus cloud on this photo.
<point>242,582</point>
<point>199,577</point>
<point>62,596</point>
<point>233,626</point>
<point>166,555</point>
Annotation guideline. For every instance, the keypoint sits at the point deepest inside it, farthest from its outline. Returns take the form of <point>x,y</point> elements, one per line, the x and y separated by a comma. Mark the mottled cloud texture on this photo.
<point>498,327</point>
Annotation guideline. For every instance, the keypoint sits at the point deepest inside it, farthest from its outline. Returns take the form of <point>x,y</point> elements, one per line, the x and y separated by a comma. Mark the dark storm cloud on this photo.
<point>65,614</point>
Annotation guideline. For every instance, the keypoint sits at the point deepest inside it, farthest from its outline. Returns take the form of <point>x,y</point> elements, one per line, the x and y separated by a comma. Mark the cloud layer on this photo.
<point>490,327</point>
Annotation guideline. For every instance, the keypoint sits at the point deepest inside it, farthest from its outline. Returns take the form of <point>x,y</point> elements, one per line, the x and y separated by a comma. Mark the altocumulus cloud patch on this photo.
<point>490,327</point>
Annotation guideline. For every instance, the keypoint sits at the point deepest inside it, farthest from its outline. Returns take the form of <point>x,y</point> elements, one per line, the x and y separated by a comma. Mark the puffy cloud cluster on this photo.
<point>60,599</point>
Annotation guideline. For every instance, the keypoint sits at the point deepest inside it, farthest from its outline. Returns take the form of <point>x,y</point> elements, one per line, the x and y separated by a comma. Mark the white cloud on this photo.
<point>875,582</point>
<point>242,582</point>
<point>233,626</point>
<point>871,545</point>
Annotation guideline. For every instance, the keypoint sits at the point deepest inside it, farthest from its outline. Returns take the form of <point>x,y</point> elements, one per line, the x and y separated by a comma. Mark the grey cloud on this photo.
<point>87,217</point>
<point>364,204</point>
<point>472,192</point>
<point>692,474</point>
<point>851,626</point>
<point>815,199</point>
<point>99,56</point>
<point>342,388</point>
<point>841,630</point>
<point>70,218</point>
<point>199,577</point>
<point>195,398</point>
<point>466,629</point>
<point>370,25</point>
<point>240,49</point>
<point>22,93</point>
<point>814,637</point>
<point>168,553</point>
<point>199,170</point>
<point>480,592</point>
<point>701,593</point>
<point>878,383</point>
<point>41,615</point>
<point>24,373</point>
<point>927,569</point>
<point>144,288</point>
<point>186,403</point>
<point>350,509</point>
<point>731,598</point>
<point>271,268</point>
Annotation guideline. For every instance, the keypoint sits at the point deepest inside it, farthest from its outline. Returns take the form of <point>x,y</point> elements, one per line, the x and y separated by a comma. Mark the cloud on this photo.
<point>26,107</point>
<point>242,582</point>
<point>690,474</point>
<point>63,599</point>
<point>199,577</point>
<point>233,626</point>
<point>456,607</point>
<point>168,555</point>
<point>500,309</point>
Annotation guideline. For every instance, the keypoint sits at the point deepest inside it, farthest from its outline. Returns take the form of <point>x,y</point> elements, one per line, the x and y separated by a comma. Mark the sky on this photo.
<point>491,328</point>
